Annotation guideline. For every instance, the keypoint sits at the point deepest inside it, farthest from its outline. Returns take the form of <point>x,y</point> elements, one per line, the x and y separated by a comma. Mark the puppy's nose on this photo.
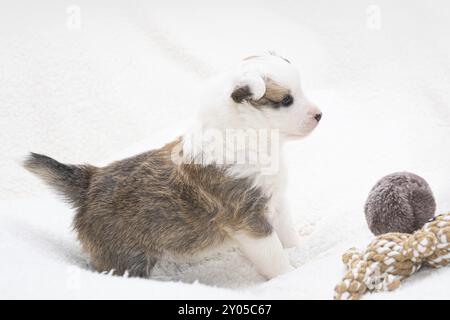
<point>318,117</point>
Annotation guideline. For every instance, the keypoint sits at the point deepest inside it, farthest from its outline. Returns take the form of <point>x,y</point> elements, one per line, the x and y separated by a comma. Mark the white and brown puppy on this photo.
<point>187,197</point>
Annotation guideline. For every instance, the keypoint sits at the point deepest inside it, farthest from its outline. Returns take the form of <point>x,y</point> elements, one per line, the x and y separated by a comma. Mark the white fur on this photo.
<point>266,253</point>
<point>220,113</point>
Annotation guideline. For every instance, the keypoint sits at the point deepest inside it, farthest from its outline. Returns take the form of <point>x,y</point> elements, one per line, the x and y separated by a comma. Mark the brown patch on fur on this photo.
<point>273,95</point>
<point>240,94</point>
<point>136,209</point>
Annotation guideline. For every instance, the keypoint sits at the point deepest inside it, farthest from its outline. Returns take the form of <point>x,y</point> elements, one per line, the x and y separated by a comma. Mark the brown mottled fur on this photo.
<point>132,211</point>
<point>274,94</point>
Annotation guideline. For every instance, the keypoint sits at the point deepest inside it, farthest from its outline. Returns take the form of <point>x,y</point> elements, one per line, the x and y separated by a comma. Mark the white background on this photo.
<point>126,80</point>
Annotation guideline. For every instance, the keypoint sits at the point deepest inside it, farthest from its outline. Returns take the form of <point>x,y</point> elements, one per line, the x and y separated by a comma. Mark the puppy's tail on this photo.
<point>71,181</point>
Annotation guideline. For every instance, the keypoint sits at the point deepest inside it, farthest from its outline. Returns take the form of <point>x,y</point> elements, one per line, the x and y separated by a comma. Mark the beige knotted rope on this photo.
<point>392,257</point>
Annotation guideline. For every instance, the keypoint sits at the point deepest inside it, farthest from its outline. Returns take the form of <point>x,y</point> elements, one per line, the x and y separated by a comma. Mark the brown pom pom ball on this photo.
<point>399,202</point>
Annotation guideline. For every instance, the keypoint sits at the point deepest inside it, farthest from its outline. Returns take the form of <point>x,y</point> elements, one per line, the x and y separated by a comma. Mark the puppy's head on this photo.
<point>268,94</point>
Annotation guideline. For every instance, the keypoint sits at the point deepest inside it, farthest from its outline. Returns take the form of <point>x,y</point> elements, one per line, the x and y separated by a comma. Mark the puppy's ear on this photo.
<point>249,87</point>
<point>241,93</point>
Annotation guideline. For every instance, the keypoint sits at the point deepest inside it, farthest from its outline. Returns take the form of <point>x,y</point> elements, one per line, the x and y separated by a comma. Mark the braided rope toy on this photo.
<point>392,257</point>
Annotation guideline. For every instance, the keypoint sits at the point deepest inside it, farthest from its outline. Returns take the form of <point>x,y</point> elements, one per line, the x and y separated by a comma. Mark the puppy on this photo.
<point>187,197</point>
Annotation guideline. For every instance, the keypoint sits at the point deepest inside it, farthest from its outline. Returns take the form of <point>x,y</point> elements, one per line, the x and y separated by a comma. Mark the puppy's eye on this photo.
<point>287,100</point>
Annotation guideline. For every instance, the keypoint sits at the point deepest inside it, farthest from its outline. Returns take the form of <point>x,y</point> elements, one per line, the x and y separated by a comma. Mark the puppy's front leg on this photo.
<point>266,253</point>
<point>284,227</point>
